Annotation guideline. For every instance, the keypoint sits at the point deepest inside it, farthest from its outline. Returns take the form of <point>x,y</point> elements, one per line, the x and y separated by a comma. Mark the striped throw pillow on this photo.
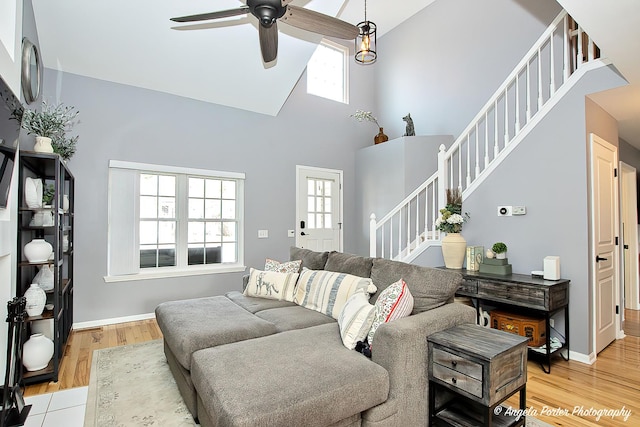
<point>328,291</point>
<point>355,319</point>
<point>393,303</point>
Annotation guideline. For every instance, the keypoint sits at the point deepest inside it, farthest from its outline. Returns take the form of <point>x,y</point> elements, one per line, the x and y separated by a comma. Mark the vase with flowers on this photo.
<point>367,116</point>
<point>450,221</point>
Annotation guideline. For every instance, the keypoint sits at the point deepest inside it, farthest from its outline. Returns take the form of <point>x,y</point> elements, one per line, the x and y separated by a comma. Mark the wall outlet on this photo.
<point>263,234</point>
<point>519,210</point>
<point>504,210</point>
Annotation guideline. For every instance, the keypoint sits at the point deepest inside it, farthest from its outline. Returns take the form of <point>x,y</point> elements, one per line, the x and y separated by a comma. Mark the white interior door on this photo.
<point>629,214</point>
<point>319,209</point>
<point>604,230</point>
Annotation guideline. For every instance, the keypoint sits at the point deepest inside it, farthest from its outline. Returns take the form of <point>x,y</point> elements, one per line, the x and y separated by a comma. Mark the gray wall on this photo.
<point>452,56</point>
<point>133,124</point>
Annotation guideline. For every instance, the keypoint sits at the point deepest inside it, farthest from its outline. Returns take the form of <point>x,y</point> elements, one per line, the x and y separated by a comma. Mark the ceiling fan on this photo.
<point>269,12</point>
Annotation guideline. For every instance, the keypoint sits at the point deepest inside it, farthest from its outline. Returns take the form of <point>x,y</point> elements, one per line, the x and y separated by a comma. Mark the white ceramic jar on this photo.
<point>37,352</point>
<point>36,299</point>
<point>37,250</point>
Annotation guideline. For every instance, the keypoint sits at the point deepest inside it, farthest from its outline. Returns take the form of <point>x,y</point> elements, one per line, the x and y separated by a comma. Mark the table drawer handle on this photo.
<point>454,363</point>
<point>453,380</point>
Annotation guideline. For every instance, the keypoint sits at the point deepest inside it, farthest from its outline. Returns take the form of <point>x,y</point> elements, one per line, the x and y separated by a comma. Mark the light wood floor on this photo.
<point>612,382</point>
<point>632,322</point>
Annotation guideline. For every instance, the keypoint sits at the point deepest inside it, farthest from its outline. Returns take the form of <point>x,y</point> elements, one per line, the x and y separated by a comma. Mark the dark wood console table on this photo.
<point>524,294</point>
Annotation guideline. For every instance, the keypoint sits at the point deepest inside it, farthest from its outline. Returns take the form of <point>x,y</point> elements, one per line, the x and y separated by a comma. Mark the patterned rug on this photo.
<point>132,386</point>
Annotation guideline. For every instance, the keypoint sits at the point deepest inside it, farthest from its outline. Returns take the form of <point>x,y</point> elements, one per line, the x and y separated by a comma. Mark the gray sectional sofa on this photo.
<point>247,361</point>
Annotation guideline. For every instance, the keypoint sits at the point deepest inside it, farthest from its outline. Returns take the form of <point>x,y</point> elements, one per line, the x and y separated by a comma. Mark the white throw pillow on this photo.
<point>282,267</point>
<point>328,291</point>
<point>271,284</point>
<point>355,319</point>
<point>393,303</point>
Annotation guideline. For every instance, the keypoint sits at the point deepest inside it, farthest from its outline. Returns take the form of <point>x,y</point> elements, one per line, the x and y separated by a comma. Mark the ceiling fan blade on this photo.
<point>319,23</point>
<point>213,15</point>
<point>269,42</point>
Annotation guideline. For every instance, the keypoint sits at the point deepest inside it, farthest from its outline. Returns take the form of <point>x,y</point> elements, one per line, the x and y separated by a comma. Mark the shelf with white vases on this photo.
<point>44,169</point>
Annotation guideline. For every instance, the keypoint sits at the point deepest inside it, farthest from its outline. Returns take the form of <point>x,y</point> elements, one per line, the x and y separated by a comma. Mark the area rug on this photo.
<point>131,385</point>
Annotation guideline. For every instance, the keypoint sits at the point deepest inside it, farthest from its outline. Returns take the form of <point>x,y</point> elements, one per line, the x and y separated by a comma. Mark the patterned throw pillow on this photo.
<point>393,303</point>
<point>282,267</point>
<point>271,285</point>
<point>328,291</point>
<point>355,319</point>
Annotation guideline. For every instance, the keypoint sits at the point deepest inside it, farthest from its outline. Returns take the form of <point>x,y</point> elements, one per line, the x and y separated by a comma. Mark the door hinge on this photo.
<point>617,309</point>
<point>616,240</point>
<point>615,172</point>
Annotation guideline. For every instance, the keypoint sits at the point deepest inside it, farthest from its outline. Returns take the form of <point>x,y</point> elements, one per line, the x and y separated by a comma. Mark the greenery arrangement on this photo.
<point>451,217</point>
<point>47,194</point>
<point>54,121</point>
<point>365,116</point>
<point>499,248</point>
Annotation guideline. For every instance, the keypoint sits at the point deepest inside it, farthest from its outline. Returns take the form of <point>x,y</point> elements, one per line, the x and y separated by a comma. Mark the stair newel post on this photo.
<point>443,181</point>
<point>372,235</point>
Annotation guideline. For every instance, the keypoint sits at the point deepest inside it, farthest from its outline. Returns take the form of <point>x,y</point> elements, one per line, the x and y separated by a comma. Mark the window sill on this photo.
<point>234,268</point>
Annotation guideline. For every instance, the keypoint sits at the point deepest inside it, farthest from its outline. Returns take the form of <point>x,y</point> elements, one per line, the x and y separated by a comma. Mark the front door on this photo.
<point>604,200</point>
<point>319,209</point>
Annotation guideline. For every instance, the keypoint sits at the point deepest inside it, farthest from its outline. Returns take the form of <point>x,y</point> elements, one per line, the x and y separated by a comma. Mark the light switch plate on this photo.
<point>263,234</point>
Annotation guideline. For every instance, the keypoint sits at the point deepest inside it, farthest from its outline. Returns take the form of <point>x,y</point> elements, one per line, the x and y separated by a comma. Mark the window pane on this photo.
<point>228,189</point>
<point>167,208</point>
<point>319,188</point>
<point>148,207</point>
<point>166,232</point>
<point>214,232</point>
<point>213,254</point>
<point>195,255</point>
<point>214,189</point>
<point>148,184</point>
<point>196,187</point>
<point>167,185</point>
<point>196,208</point>
<point>148,256</point>
<point>319,204</point>
<point>311,204</point>
<point>327,188</point>
<point>212,209</point>
<point>196,232</point>
<point>148,232</point>
<point>228,209</point>
<point>327,204</point>
<point>326,72</point>
<point>311,187</point>
<point>167,256</point>
<point>229,252</point>
<point>229,232</point>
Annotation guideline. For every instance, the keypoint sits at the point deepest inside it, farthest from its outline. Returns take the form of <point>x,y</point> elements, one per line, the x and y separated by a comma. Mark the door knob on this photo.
<point>303,233</point>
<point>599,258</point>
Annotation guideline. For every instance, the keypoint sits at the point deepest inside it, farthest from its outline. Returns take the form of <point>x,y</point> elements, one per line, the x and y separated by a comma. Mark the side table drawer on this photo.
<point>457,363</point>
<point>458,380</point>
<point>468,287</point>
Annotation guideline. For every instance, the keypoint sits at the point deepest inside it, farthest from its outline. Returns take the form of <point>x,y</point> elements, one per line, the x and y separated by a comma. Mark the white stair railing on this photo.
<point>502,123</point>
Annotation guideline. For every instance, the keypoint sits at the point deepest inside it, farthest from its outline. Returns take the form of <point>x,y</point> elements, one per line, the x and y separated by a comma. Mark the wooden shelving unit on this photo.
<point>52,171</point>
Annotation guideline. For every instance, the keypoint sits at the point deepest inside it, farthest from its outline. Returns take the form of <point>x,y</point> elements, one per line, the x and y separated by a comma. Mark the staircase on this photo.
<point>562,54</point>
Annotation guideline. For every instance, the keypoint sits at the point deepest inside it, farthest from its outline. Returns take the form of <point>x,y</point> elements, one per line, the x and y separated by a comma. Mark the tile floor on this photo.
<point>62,408</point>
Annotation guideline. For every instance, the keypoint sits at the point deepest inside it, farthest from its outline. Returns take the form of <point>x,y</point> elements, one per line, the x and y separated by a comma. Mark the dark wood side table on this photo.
<point>524,294</point>
<point>482,367</point>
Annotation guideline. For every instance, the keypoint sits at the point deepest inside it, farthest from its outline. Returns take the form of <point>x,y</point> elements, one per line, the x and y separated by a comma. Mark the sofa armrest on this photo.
<point>245,282</point>
<point>401,348</point>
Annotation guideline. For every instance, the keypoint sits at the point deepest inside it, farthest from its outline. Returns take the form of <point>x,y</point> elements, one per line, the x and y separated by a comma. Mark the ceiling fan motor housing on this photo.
<point>267,11</point>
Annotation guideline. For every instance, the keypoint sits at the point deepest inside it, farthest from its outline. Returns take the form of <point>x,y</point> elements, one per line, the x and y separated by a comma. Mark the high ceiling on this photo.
<point>134,43</point>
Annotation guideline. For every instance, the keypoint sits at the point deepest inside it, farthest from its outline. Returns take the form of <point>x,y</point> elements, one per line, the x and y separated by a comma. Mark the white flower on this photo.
<point>455,219</point>
<point>438,221</point>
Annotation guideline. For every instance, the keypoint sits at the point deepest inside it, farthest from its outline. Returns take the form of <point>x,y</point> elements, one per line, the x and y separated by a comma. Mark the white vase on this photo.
<point>65,203</point>
<point>43,145</point>
<point>33,192</point>
<point>501,255</point>
<point>37,352</point>
<point>65,243</point>
<point>37,250</point>
<point>44,327</point>
<point>454,247</point>
<point>36,299</point>
<point>44,278</point>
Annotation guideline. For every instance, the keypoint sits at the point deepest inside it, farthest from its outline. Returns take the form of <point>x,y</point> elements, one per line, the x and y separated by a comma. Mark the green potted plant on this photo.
<point>51,123</point>
<point>500,249</point>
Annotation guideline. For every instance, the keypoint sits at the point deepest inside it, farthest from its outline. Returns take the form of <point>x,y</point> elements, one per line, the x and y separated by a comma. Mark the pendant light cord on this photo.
<point>365,11</point>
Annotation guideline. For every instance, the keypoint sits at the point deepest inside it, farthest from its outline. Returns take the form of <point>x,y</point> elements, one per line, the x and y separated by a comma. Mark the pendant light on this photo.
<point>366,41</point>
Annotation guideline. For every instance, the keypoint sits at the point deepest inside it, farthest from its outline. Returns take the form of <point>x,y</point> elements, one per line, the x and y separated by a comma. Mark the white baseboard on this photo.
<point>588,359</point>
<point>113,321</point>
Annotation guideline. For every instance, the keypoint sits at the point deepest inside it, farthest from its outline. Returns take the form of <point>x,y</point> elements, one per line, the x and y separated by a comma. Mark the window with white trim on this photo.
<point>327,72</point>
<point>173,221</point>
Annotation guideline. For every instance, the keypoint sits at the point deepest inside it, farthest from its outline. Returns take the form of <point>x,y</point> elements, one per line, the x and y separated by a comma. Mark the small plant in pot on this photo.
<point>500,249</point>
<point>50,124</point>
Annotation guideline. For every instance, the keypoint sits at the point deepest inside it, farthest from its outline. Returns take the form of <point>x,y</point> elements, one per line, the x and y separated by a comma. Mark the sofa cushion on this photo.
<point>356,319</point>
<point>287,379</point>
<point>255,304</point>
<point>395,302</point>
<point>283,267</point>
<point>296,317</point>
<point>191,325</point>
<point>430,287</point>
<point>350,264</point>
<point>328,291</point>
<point>271,285</point>
<point>310,259</point>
